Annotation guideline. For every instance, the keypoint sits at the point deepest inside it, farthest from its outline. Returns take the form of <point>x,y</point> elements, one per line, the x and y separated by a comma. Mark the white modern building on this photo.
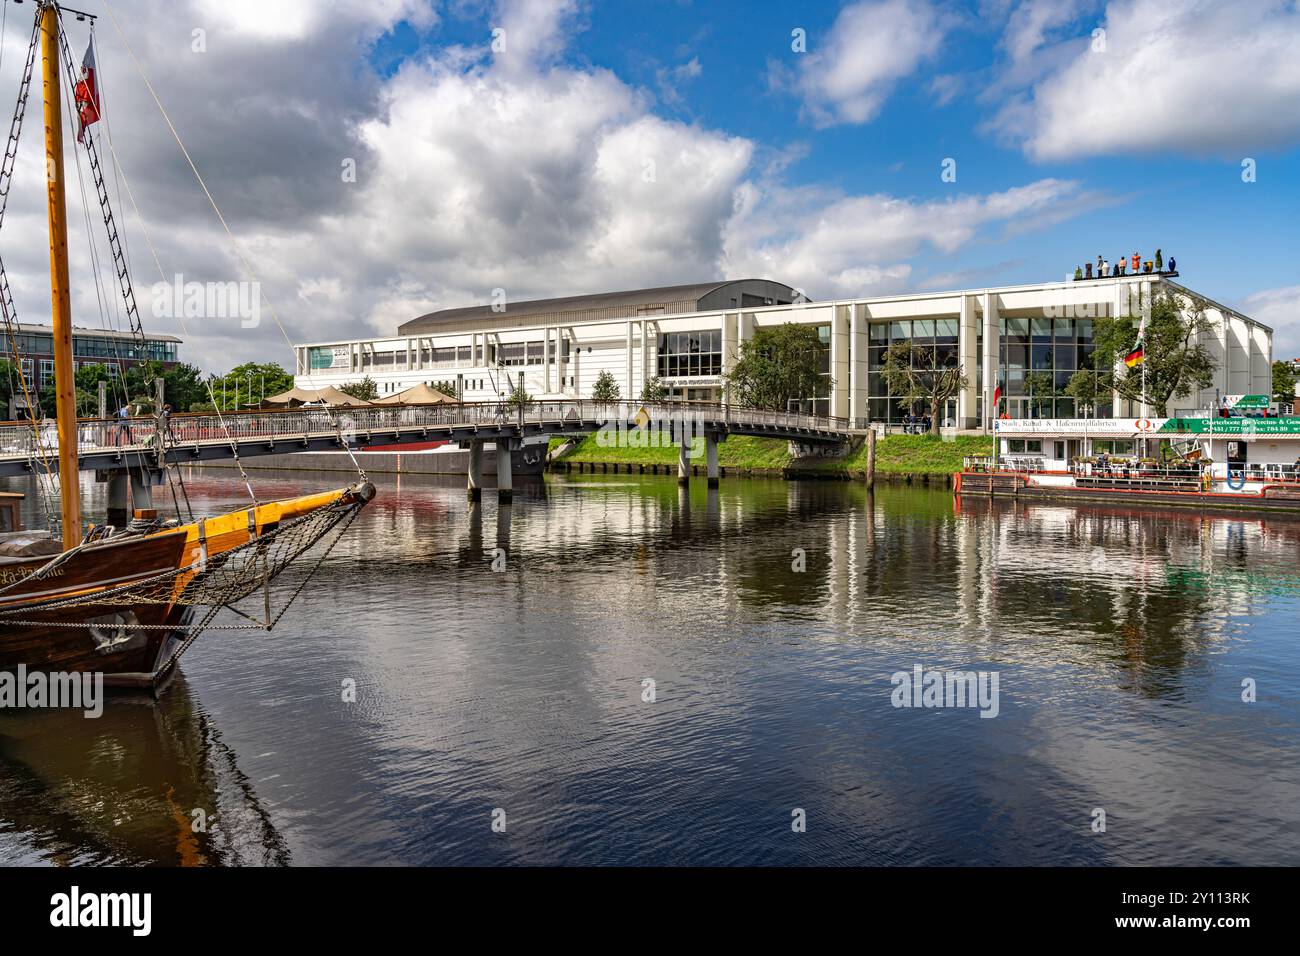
<point>1024,336</point>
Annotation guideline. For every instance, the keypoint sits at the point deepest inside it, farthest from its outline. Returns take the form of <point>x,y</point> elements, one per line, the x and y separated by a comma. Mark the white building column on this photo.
<point>969,355</point>
<point>840,374</point>
<point>858,316</point>
<point>992,355</point>
<point>730,347</point>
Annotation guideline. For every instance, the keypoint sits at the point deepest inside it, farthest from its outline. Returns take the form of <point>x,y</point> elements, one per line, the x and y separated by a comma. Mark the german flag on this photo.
<point>1135,357</point>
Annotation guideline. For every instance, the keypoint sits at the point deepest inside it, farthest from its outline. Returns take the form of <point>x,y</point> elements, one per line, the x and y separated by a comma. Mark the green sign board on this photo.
<point>1289,426</point>
<point>1246,401</point>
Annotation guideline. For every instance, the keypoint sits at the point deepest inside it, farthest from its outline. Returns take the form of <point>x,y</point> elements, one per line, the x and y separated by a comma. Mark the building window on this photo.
<point>690,354</point>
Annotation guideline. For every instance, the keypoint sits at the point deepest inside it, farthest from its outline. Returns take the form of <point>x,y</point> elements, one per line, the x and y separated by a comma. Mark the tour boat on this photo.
<point>1211,460</point>
<point>125,601</point>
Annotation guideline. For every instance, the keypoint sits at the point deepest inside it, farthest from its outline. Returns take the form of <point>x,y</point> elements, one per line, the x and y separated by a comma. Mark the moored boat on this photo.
<point>1210,460</point>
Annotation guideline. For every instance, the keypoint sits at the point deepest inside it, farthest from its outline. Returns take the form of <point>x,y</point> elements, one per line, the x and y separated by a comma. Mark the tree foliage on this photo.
<point>654,390</point>
<point>251,381</point>
<point>605,389</point>
<point>1284,380</point>
<point>777,366</point>
<point>1177,362</point>
<point>914,374</point>
<point>366,389</point>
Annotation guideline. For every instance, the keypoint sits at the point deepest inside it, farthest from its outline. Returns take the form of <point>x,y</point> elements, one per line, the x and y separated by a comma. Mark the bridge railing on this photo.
<point>373,421</point>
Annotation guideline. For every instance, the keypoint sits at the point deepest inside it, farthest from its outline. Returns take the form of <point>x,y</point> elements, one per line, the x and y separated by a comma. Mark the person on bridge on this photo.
<point>124,425</point>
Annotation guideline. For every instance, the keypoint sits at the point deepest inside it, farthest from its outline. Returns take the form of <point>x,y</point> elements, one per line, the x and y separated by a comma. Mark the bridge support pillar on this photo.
<point>130,490</point>
<point>475,488</point>
<point>683,464</point>
<point>119,499</point>
<point>505,473</point>
<point>711,456</point>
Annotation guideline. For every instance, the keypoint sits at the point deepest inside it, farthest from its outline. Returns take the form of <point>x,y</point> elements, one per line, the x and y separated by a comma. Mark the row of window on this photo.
<point>47,371</point>
<point>102,348</point>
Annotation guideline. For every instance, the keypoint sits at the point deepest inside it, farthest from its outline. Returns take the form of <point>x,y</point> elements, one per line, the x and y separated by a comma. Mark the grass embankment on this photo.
<point>896,455</point>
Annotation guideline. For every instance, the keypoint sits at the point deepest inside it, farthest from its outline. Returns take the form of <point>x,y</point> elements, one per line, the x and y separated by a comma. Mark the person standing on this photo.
<point>1160,262</point>
<point>1099,264</point>
<point>1137,262</point>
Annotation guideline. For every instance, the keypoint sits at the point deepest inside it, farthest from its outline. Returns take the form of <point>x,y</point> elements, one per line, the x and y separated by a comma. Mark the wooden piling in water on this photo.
<point>871,458</point>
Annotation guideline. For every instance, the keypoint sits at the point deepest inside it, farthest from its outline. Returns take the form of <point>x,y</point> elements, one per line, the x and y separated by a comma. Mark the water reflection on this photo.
<point>128,788</point>
<point>770,616</point>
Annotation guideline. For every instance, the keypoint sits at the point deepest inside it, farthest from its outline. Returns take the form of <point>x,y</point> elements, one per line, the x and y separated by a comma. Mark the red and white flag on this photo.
<point>87,93</point>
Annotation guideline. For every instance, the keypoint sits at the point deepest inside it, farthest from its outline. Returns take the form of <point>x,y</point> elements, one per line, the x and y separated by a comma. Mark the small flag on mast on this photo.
<point>87,93</point>
<point>1135,357</point>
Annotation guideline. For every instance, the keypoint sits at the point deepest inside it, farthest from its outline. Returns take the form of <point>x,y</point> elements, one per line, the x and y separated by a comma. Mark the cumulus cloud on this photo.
<point>848,245</point>
<point>1280,310</point>
<point>871,46</point>
<point>1199,76</point>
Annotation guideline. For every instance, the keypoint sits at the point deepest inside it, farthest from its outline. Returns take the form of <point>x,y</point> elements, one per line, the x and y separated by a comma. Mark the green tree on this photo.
<point>519,396</point>
<point>779,365</point>
<point>605,389</point>
<point>654,390</point>
<point>914,374</point>
<point>251,381</point>
<point>366,389</point>
<point>1284,380</point>
<point>1090,386</point>
<point>1176,361</point>
<point>447,387</point>
<point>1041,388</point>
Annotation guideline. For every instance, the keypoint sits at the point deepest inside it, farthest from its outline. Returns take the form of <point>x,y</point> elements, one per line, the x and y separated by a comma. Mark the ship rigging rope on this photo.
<point>214,583</point>
<point>120,174</point>
<point>239,253</point>
<point>123,272</point>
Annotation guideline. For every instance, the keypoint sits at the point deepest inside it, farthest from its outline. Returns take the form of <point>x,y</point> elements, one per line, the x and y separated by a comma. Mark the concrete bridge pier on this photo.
<point>711,456</point>
<point>505,473</point>
<point>683,464</point>
<point>129,490</point>
<point>475,490</point>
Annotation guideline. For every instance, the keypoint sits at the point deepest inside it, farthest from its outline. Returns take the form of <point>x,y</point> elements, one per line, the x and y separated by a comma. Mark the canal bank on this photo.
<point>911,459</point>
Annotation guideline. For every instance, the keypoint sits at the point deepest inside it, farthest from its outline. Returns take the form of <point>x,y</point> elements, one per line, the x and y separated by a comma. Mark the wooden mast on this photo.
<point>60,294</point>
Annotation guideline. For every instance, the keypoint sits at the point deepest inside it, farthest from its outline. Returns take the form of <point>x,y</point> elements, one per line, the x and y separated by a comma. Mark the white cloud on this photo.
<point>847,245</point>
<point>1280,310</point>
<point>872,45</point>
<point>1199,76</point>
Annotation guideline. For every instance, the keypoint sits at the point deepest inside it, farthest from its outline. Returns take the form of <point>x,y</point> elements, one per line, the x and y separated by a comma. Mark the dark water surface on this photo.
<point>1121,639</point>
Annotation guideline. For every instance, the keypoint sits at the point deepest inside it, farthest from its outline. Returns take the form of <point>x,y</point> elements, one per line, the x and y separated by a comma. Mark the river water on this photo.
<point>651,676</point>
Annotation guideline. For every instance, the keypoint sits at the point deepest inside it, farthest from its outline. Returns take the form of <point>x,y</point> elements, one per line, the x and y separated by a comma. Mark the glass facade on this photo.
<point>1039,357</point>
<point>89,346</point>
<point>690,354</point>
<point>938,336</point>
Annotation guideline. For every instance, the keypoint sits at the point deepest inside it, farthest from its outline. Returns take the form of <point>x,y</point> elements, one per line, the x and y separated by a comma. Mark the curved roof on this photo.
<point>624,302</point>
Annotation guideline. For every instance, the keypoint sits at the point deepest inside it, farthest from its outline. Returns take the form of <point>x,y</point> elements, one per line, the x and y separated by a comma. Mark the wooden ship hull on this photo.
<point>129,641</point>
